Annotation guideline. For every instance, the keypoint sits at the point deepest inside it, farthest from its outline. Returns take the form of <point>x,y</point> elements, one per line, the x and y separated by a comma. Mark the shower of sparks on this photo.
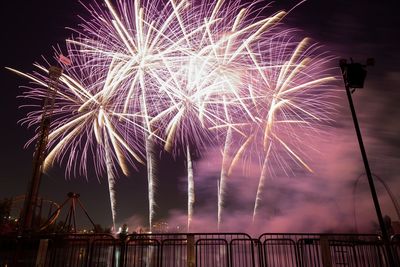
<point>290,98</point>
<point>87,125</point>
<point>185,76</point>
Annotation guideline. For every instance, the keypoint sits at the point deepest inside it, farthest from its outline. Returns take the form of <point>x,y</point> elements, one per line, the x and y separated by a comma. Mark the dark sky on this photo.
<point>356,28</point>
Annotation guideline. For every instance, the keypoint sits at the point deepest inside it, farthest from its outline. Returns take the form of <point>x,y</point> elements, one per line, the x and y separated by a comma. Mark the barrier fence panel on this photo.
<point>174,253</point>
<point>258,254</point>
<point>103,252</point>
<point>205,249</point>
<point>357,250</point>
<point>395,245</point>
<point>279,252</point>
<point>142,252</point>
<point>343,253</point>
<point>309,252</point>
<point>212,253</point>
<point>242,253</point>
<point>369,254</point>
<point>199,249</point>
<point>325,250</point>
<point>72,252</point>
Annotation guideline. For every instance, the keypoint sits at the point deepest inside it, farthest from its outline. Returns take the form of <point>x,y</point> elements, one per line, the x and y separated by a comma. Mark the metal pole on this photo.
<point>374,195</point>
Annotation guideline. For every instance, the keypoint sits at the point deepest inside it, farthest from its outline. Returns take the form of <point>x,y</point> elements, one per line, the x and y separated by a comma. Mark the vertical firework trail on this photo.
<point>224,175</point>
<point>191,195</point>
<point>150,157</point>
<point>111,182</point>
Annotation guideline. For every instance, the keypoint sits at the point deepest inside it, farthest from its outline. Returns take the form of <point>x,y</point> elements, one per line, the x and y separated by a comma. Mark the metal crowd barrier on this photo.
<point>323,250</point>
<point>198,250</point>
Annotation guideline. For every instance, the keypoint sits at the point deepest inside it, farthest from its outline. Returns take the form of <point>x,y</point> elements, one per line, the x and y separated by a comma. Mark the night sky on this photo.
<point>345,28</point>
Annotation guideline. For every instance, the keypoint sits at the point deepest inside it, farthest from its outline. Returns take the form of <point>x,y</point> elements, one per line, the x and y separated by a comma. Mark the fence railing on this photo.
<point>199,249</point>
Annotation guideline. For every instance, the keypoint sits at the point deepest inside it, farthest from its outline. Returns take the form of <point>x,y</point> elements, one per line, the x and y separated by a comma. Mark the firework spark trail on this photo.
<point>287,106</point>
<point>191,195</point>
<point>111,183</point>
<point>151,178</point>
<point>224,175</point>
<point>261,183</point>
<point>183,124</point>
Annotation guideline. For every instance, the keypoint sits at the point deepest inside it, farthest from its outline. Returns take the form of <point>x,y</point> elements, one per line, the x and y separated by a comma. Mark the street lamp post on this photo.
<point>354,75</point>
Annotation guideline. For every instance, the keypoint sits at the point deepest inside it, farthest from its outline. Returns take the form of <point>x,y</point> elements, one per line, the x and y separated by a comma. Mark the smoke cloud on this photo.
<point>334,198</point>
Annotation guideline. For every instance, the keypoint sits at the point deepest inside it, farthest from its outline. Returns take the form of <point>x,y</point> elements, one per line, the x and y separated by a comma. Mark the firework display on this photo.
<point>86,126</point>
<point>183,76</point>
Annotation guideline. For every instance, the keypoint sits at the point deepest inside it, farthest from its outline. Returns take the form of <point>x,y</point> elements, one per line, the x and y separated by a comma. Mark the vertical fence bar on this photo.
<point>212,252</point>
<point>395,245</point>
<point>174,252</point>
<point>191,261</point>
<point>325,251</point>
<point>142,252</point>
<point>309,252</point>
<point>102,252</point>
<point>279,252</point>
<point>65,251</point>
<point>42,252</point>
<point>242,252</point>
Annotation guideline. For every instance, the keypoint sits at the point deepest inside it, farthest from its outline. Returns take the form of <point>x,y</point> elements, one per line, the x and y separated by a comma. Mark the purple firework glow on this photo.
<point>187,77</point>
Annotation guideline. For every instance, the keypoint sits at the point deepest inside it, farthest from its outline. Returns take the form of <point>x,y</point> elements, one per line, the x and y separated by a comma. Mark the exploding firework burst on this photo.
<point>291,97</point>
<point>185,76</point>
<point>86,123</point>
<point>181,62</point>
